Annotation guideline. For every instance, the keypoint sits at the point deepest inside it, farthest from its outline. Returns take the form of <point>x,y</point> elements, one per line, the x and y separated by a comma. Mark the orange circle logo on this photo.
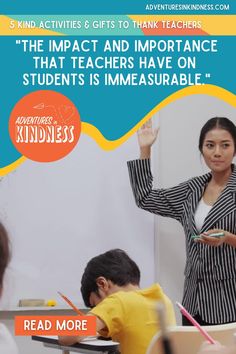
<point>44,126</point>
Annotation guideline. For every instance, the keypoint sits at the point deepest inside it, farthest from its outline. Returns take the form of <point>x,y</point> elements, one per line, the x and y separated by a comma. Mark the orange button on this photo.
<point>55,325</point>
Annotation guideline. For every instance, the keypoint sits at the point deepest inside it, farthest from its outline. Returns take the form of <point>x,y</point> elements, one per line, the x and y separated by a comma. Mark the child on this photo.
<point>7,345</point>
<point>110,285</point>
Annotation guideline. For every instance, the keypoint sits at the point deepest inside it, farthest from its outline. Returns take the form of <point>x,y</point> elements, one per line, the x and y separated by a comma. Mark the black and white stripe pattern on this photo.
<point>210,272</point>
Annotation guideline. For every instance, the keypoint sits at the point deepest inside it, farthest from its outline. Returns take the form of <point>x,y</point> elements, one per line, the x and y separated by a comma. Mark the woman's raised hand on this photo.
<point>146,137</point>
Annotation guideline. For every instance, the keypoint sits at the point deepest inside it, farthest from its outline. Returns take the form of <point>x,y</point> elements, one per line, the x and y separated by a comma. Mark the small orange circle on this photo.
<point>44,126</point>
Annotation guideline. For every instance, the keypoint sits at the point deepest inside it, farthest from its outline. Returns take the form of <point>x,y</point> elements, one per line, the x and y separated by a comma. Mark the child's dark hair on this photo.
<point>114,265</point>
<point>4,253</point>
<point>217,122</point>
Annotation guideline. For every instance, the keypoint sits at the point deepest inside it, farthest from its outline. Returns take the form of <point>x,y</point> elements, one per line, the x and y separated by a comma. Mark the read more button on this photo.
<point>55,325</point>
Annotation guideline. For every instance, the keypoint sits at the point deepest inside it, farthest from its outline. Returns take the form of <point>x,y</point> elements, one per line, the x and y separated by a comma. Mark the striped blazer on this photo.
<point>210,272</point>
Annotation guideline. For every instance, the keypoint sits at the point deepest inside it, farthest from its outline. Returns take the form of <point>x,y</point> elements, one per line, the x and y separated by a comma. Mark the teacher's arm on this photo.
<point>165,202</point>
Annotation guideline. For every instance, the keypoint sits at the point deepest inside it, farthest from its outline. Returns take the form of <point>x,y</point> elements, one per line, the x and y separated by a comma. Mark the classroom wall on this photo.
<point>177,159</point>
<point>60,215</point>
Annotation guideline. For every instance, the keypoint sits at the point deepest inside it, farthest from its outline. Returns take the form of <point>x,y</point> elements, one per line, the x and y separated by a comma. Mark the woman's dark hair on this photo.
<point>4,253</point>
<point>114,265</point>
<point>217,122</point>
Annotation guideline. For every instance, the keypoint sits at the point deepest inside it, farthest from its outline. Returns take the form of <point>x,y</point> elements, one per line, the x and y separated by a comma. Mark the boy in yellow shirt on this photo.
<point>110,285</point>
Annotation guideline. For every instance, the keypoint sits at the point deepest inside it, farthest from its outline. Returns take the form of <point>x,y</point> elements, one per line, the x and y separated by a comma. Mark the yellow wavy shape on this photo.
<point>5,170</point>
<point>214,24</point>
<point>210,90</point>
<point>5,29</point>
<point>108,145</point>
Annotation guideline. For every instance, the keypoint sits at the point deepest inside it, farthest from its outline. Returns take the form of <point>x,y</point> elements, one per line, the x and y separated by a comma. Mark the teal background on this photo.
<point>114,110</point>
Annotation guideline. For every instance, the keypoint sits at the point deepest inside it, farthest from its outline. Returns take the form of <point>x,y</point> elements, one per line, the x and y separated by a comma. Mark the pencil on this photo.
<point>195,323</point>
<point>71,304</point>
<point>217,234</point>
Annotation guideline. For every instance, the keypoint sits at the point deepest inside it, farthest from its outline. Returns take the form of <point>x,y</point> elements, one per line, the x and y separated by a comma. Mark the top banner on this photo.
<point>211,7</point>
<point>104,68</point>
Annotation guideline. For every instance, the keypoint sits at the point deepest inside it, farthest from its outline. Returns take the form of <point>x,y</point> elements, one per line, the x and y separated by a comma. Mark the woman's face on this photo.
<point>218,149</point>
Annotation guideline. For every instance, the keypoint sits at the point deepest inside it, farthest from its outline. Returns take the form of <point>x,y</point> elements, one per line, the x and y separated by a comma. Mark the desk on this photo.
<point>89,345</point>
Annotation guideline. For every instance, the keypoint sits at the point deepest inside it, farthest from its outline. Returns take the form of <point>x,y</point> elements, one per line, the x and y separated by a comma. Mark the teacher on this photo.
<point>204,205</point>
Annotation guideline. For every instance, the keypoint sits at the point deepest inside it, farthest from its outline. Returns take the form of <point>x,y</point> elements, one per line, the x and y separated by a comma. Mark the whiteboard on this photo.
<point>59,215</point>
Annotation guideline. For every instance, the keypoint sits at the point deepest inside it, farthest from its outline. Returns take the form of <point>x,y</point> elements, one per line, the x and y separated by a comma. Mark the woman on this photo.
<point>203,205</point>
<point>7,344</point>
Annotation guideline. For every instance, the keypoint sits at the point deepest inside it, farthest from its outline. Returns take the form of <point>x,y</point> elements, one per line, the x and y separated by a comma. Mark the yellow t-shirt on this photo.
<point>131,317</point>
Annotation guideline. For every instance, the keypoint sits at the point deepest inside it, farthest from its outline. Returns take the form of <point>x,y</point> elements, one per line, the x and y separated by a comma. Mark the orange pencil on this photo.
<point>71,304</point>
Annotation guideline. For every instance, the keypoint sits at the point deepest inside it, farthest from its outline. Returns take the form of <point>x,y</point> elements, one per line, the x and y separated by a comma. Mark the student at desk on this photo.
<point>110,285</point>
<point>7,344</point>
